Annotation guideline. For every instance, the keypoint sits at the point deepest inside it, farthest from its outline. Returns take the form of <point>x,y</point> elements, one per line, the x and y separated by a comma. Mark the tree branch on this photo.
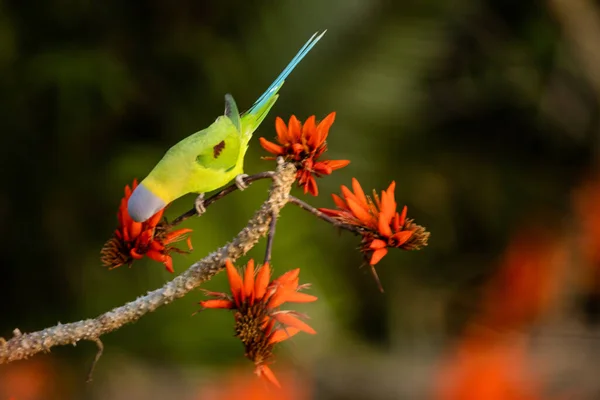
<point>222,193</point>
<point>270,237</point>
<point>307,207</point>
<point>22,346</point>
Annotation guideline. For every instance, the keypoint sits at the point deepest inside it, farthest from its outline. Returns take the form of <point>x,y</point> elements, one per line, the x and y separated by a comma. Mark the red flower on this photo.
<point>303,145</point>
<point>488,368</point>
<point>380,225</point>
<point>259,322</point>
<point>586,201</point>
<point>236,384</point>
<point>132,240</point>
<point>528,282</point>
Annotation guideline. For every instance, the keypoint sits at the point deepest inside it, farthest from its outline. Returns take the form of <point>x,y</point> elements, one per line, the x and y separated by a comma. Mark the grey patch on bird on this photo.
<point>143,204</point>
<point>218,148</point>
<point>232,112</point>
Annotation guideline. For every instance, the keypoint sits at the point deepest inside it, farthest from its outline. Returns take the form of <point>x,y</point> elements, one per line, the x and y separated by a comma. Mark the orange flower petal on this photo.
<point>289,296</point>
<point>219,295</point>
<point>339,202</point>
<point>301,177</point>
<point>358,192</point>
<point>235,282</point>
<point>396,222</point>
<point>122,215</point>
<point>268,325</point>
<point>157,246</point>
<point>294,129</point>
<point>289,280</point>
<point>134,253</point>
<point>176,236</point>
<point>219,303</point>
<point>359,212</point>
<point>332,213</point>
<point>392,188</point>
<point>323,127</point>
<point>297,148</point>
<point>168,263</point>
<point>156,255</point>
<point>133,230</point>
<point>163,258</point>
<point>378,255</point>
<point>309,132</point>
<point>265,373</point>
<point>376,198</point>
<point>322,168</point>
<point>155,219</point>
<point>402,237</point>
<point>262,281</point>
<point>312,186</point>
<point>347,194</point>
<point>383,226</point>
<point>271,147</point>
<point>336,164</point>
<point>282,334</point>
<point>377,244</point>
<point>403,217</point>
<point>282,131</point>
<point>277,298</point>
<point>290,320</point>
<point>145,238</point>
<point>388,205</point>
<point>249,281</point>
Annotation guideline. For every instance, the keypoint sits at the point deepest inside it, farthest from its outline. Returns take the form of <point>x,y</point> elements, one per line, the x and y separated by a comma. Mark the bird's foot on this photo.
<point>199,204</point>
<point>239,181</point>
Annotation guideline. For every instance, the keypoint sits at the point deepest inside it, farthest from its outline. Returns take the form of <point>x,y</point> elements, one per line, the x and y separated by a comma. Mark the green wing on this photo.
<point>223,152</point>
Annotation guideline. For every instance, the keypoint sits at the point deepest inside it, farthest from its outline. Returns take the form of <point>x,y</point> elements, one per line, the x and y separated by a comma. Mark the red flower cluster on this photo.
<point>491,361</point>
<point>255,300</point>
<point>380,225</point>
<point>490,369</point>
<point>529,281</point>
<point>259,323</point>
<point>132,240</point>
<point>303,145</point>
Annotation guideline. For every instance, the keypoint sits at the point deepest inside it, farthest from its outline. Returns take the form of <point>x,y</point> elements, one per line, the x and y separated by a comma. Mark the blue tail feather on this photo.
<point>272,90</point>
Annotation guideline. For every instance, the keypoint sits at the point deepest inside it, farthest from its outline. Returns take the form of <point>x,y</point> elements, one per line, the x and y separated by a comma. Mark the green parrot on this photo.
<point>210,158</point>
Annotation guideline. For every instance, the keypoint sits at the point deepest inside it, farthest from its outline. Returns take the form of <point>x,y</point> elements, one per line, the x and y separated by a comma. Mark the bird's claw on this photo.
<point>199,204</point>
<point>239,182</point>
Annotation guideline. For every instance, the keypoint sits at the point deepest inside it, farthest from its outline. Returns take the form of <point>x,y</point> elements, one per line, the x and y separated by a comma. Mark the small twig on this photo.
<point>270,237</point>
<point>98,355</point>
<point>222,193</point>
<point>376,276</point>
<point>307,207</point>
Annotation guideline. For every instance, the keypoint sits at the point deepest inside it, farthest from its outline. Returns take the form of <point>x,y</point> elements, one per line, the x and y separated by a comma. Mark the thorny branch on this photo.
<point>263,223</point>
<point>22,346</point>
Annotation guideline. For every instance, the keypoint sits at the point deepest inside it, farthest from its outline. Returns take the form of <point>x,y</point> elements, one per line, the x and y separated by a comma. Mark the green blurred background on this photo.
<point>484,112</point>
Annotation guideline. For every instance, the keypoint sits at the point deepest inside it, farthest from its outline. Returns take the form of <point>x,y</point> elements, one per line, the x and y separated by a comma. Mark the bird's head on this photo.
<point>143,204</point>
